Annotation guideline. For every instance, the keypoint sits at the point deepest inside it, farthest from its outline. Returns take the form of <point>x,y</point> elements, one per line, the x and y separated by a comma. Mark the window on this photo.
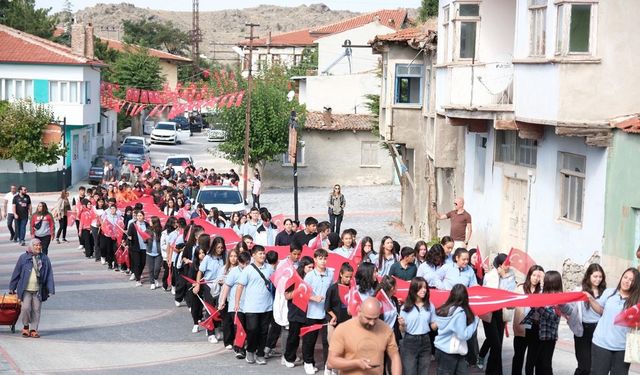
<point>87,92</point>
<point>297,59</point>
<point>73,92</point>
<point>262,61</point>
<point>572,178</point>
<point>275,59</point>
<point>480,161</point>
<point>408,83</point>
<point>369,154</point>
<point>445,32</point>
<point>75,146</point>
<point>64,92</point>
<point>537,29</point>
<point>512,149</point>
<point>469,19</point>
<point>16,89</point>
<point>299,156</point>
<point>54,92</point>
<point>19,89</point>
<point>575,28</point>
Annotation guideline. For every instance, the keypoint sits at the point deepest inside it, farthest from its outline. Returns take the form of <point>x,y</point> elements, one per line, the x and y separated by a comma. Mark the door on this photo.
<point>514,214</point>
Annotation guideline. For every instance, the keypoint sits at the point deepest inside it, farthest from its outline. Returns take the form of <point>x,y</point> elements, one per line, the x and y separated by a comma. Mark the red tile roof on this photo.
<point>20,47</point>
<point>120,46</point>
<point>316,121</point>
<point>296,38</point>
<point>393,18</point>
<point>413,37</point>
<point>629,124</point>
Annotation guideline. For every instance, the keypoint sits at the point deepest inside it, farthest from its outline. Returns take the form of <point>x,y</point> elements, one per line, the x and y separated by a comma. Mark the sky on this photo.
<point>208,5</point>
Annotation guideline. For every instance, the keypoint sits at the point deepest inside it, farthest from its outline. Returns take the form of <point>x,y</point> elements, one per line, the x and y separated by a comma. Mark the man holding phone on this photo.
<point>364,355</point>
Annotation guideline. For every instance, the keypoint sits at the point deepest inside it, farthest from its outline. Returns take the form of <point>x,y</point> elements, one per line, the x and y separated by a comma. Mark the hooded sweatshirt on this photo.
<point>454,324</point>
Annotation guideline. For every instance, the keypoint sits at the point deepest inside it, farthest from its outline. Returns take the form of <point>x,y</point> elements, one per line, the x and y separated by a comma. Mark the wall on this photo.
<point>497,28</point>
<point>322,168</point>
<point>362,59</point>
<point>551,241</point>
<point>344,94</point>
<point>286,55</point>
<point>622,226</point>
<point>170,72</point>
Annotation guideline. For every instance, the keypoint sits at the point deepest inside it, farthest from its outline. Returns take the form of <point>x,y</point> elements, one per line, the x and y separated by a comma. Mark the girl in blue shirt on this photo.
<point>594,284</point>
<point>417,319</point>
<point>459,271</point>
<point>609,340</point>
<point>367,254</point>
<point>387,256</point>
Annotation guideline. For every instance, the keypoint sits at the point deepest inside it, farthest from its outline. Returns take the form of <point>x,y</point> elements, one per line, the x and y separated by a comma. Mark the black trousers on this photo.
<point>582,346</point>
<point>519,351</point>
<point>11,225</point>
<point>228,328</point>
<point>45,241</point>
<point>309,342</point>
<point>257,328</point>
<point>138,261</point>
<point>335,221</point>
<point>107,248</point>
<point>451,364</point>
<point>495,334</point>
<point>605,362</point>
<point>256,200</point>
<point>539,353</point>
<point>195,305</point>
<point>293,341</point>
<point>181,284</point>
<point>205,294</point>
<point>243,321</point>
<point>63,228</point>
<point>166,284</point>
<point>274,334</point>
<point>86,240</point>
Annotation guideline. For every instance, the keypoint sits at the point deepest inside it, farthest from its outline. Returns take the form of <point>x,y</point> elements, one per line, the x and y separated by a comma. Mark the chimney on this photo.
<point>326,117</point>
<point>88,49</point>
<point>82,40</point>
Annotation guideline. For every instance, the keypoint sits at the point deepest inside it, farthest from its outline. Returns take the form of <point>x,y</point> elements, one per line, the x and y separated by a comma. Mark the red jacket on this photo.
<point>47,217</point>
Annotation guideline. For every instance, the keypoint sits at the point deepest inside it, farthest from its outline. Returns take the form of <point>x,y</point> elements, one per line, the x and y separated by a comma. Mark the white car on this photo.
<point>168,132</point>
<point>225,198</point>
<point>214,135</point>
<point>177,160</point>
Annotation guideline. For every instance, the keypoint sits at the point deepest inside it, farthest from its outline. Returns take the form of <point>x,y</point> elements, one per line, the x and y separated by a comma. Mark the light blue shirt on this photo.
<point>141,243</point>
<point>320,283</point>
<point>344,251</point>
<point>211,267</point>
<point>154,248</point>
<point>370,257</point>
<point>230,281</point>
<point>260,299</point>
<point>451,275</point>
<point>249,228</point>
<point>430,273</point>
<point>386,266</point>
<point>418,320</point>
<point>607,335</point>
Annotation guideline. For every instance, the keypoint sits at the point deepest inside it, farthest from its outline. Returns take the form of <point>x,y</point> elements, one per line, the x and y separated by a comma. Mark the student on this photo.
<point>293,258</point>
<point>593,283</point>
<point>532,285</point>
<point>297,318</point>
<point>274,328</point>
<point>303,237</point>
<point>168,241</point>
<point>406,268</point>
<point>324,230</point>
<point>433,262</point>
<point>228,298</point>
<point>387,256</point>
<point>417,319</point>
<point>138,246</point>
<point>456,324</point>
<point>85,213</point>
<point>184,262</point>
<point>447,244</point>
<point>320,280</point>
<point>346,244</point>
<point>386,291</point>
<point>366,280</point>
<point>609,339</point>
<point>458,272</point>
<point>267,231</point>
<point>212,270</point>
<point>284,238</point>
<point>421,252</point>
<point>111,219</point>
<point>154,253</point>
<point>334,307</point>
<point>544,323</point>
<point>367,253</point>
<point>257,307</point>
<point>251,226</point>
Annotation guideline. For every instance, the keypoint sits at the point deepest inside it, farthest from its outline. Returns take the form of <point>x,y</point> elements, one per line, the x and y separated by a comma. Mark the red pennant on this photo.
<point>241,335</point>
<point>144,235</point>
<point>239,99</point>
<point>519,260</point>
<point>207,323</point>
<point>386,303</point>
<point>479,263</point>
<point>311,328</point>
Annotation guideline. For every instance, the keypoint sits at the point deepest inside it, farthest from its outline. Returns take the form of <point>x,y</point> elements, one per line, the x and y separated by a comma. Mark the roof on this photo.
<point>291,39</point>
<point>393,18</point>
<point>121,46</point>
<point>629,124</point>
<point>316,121</point>
<point>21,47</point>
<point>413,37</point>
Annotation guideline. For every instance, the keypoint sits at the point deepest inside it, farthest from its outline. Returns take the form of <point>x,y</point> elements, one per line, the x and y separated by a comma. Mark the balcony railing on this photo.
<point>481,86</point>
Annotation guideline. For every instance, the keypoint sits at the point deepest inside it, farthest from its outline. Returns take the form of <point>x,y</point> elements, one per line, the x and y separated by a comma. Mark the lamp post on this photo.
<point>293,128</point>
<point>63,126</point>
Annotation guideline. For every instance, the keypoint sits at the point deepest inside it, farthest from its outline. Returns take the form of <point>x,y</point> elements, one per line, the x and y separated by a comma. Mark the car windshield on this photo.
<point>133,141</point>
<point>165,126</point>
<point>177,161</point>
<point>131,149</point>
<point>208,197</point>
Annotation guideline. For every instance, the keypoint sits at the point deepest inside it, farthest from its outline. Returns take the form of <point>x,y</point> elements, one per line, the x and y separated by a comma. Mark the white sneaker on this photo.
<point>153,286</point>
<point>309,369</point>
<point>250,358</point>
<point>178,304</point>
<point>286,363</point>
<point>261,361</point>
<point>212,339</point>
<point>103,261</point>
<point>195,329</point>
<point>229,347</point>
<point>80,247</point>
<point>138,283</point>
<point>133,277</point>
<point>157,284</point>
<point>173,290</point>
<point>267,352</point>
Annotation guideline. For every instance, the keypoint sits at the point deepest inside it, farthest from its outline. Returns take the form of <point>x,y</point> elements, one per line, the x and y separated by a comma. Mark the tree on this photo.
<point>428,9</point>
<point>21,127</point>
<point>135,68</point>
<point>23,15</point>
<point>156,35</point>
<point>66,18</point>
<point>270,113</point>
<point>107,55</point>
<point>309,61</point>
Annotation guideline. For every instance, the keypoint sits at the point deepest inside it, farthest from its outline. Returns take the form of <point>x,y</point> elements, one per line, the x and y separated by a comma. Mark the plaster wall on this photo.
<point>344,94</point>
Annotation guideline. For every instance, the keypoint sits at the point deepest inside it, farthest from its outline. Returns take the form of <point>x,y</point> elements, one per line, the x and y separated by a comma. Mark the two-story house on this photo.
<point>67,80</point>
<point>286,49</point>
<point>536,85</point>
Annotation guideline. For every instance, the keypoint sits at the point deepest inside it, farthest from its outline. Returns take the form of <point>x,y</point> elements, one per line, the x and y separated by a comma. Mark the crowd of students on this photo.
<point>233,282</point>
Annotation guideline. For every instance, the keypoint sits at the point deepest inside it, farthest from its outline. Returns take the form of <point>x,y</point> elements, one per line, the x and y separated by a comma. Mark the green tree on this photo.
<point>309,61</point>
<point>107,55</point>
<point>23,15</point>
<point>270,113</point>
<point>373,104</point>
<point>66,18</point>
<point>21,127</point>
<point>428,9</point>
<point>159,35</point>
<point>135,68</point>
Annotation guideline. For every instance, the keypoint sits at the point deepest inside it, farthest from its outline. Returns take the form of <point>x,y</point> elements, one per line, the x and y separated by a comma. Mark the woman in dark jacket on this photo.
<point>32,279</point>
<point>138,233</point>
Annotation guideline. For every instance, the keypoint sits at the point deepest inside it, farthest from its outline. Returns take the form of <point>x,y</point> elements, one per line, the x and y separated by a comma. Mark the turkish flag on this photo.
<point>208,323</point>
<point>71,218</point>
<point>356,255</point>
<point>302,293</point>
<point>478,264</point>
<point>335,261</point>
<point>311,328</point>
<point>278,220</point>
<point>629,317</point>
<point>402,289</point>
<point>519,260</point>
<point>384,300</point>
<point>192,281</point>
<point>316,243</point>
<point>230,236</point>
<point>343,291</point>
<point>146,165</point>
<point>354,301</point>
<point>144,235</point>
<point>283,277</point>
<point>241,335</point>
<point>108,229</point>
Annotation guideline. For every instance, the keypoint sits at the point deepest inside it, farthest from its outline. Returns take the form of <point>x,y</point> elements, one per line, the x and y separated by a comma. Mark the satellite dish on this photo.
<point>238,50</point>
<point>496,77</point>
<point>290,95</point>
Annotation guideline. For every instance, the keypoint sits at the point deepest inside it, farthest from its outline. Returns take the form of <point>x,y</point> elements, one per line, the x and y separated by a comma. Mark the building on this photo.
<point>286,49</point>
<point>535,85</point>
<point>334,149</point>
<point>426,153</point>
<point>168,62</point>
<point>68,81</point>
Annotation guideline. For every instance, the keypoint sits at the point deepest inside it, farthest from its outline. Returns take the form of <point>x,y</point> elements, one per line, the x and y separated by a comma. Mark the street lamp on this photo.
<point>63,126</point>
<point>293,145</point>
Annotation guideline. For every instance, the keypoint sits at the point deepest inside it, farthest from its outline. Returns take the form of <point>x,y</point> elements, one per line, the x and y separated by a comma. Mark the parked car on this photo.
<point>168,132</point>
<point>183,123</point>
<point>195,122</point>
<point>135,154</point>
<point>135,140</point>
<point>177,160</point>
<point>225,198</point>
<point>96,172</point>
<point>216,135</point>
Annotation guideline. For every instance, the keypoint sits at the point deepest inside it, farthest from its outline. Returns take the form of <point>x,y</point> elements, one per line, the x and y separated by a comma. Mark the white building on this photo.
<point>67,80</point>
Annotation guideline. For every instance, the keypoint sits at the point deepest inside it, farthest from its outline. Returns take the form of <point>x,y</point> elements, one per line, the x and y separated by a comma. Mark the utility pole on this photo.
<point>248,113</point>
<point>196,35</point>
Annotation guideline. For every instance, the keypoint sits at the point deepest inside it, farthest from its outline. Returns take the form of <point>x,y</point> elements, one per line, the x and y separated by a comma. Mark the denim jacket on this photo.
<point>22,271</point>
